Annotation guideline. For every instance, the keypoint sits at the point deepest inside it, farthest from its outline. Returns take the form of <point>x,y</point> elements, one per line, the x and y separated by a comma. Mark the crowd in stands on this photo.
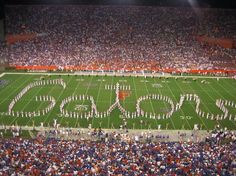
<point>115,156</point>
<point>134,38</point>
<point>221,136</point>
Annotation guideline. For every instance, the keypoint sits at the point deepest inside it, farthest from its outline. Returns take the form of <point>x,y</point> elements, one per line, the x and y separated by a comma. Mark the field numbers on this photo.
<point>185,117</point>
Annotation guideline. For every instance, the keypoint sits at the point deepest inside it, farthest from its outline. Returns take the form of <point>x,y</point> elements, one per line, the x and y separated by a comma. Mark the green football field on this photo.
<point>103,90</point>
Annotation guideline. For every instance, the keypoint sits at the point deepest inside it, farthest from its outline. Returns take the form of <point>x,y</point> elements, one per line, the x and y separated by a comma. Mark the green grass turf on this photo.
<point>95,86</point>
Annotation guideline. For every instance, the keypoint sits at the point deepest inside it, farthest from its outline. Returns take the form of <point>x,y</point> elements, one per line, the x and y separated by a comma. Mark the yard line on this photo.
<point>151,104</point>
<point>135,89</point>
<point>99,89</point>
<point>110,101</point>
<point>195,108</point>
<point>226,89</point>
<point>207,106</point>
<point>177,102</point>
<point>35,93</point>
<point>53,88</point>
<point>159,91</point>
<point>85,93</point>
<point>228,84</point>
<point>5,88</point>
<point>223,96</point>
<point>41,104</point>
<point>77,120</point>
<point>14,92</point>
<point>49,113</point>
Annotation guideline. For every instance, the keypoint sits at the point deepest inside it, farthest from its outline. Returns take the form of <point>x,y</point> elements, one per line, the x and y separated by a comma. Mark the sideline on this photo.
<point>2,75</point>
<point>80,73</point>
<point>173,135</point>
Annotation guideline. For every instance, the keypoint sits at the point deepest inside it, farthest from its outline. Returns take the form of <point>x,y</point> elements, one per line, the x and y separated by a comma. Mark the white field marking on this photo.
<point>20,87</point>
<point>186,82</point>
<point>13,92</point>
<point>166,108</point>
<point>186,117</point>
<point>195,108</point>
<point>123,80</point>
<point>17,87</point>
<point>101,80</point>
<point>41,104</point>
<point>81,107</point>
<point>135,90</point>
<point>177,101</point>
<point>212,100</point>
<point>230,85</point>
<point>99,89</point>
<point>144,81</point>
<point>110,102</point>
<point>77,120</point>
<point>112,74</point>
<point>220,95</point>
<point>185,101</point>
<point>37,79</point>
<point>153,111</point>
<point>152,106</point>
<point>207,106</point>
<point>81,79</point>
<point>157,85</point>
<point>54,87</point>
<point>2,75</point>
<point>58,98</point>
<point>26,104</point>
<point>232,95</point>
<point>164,81</point>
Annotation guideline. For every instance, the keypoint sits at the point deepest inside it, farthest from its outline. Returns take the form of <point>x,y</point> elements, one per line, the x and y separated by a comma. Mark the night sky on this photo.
<point>202,3</point>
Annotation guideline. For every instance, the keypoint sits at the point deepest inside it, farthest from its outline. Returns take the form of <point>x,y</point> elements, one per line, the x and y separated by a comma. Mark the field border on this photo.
<point>173,135</point>
<point>2,74</point>
<point>148,75</point>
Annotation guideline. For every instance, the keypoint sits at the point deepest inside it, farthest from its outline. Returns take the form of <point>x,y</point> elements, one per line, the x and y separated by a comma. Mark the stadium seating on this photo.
<point>115,156</point>
<point>134,38</point>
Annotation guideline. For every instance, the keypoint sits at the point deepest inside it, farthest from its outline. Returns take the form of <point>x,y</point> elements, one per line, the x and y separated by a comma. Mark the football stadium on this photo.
<point>117,88</point>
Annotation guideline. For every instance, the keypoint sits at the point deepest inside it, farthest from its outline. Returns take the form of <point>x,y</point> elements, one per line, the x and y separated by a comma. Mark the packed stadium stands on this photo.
<point>116,156</point>
<point>118,38</point>
<point>134,38</point>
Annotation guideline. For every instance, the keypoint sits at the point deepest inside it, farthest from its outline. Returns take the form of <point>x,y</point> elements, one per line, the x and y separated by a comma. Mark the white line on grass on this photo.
<point>151,104</point>
<point>135,89</point>
<point>2,75</point>
<point>49,113</point>
<point>226,90</point>
<point>176,102</point>
<point>41,104</point>
<point>224,97</point>
<point>110,101</point>
<point>99,89</point>
<point>155,80</point>
<point>85,94</point>
<point>14,92</point>
<point>195,108</point>
<point>22,109</point>
<point>229,84</point>
<point>112,74</point>
<point>207,106</point>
